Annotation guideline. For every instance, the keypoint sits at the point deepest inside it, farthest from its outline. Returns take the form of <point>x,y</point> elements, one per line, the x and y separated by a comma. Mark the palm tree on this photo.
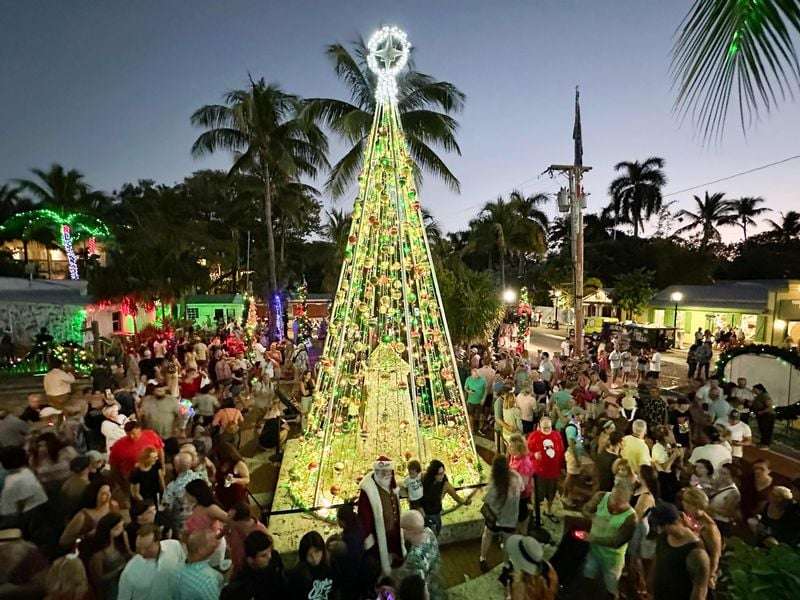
<point>70,227</point>
<point>424,103</point>
<point>56,188</point>
<point>528,207</point>
<point>713,211</point>
<point>514,228</point>
<point>492,229</point>
<point>337,229</point>
<point>262,128</point>
<point>789,227</point>
<point>729,48</point>
<point>746,208</point>
<point>636,194</point>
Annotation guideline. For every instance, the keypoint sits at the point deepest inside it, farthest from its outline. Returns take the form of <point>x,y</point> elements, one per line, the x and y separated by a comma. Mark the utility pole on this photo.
<point>573,201</point>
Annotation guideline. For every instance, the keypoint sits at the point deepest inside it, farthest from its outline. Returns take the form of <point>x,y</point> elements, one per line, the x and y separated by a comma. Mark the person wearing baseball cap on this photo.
<point>681,570</point>
<point>531,576</point>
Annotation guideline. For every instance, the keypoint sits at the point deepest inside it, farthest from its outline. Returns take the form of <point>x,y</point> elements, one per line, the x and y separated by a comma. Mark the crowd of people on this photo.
<point>134,487</point>
<point>652,484</point>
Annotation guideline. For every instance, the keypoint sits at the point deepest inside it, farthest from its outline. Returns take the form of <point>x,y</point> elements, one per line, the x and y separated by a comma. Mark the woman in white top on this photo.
<point>526,402</point>
<point>113,427</point>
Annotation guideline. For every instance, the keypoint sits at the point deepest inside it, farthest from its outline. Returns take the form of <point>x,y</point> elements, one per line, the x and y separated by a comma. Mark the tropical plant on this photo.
<point>633,290</point>
<point>746,208</point>
<point>712,212</point>
<point>740,50</point>
<point>336,231</point>
<point>636,193</point>
<point>261,126</point>
<point>425,105</point>
<point>11,202</point>
<point>748,571</point>
<point>470,300</point>
<point>57,188</point>
<point>788,228</point>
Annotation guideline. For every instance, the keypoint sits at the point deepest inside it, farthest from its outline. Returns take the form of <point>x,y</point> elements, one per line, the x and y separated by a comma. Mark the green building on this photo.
<point>766,310</point>
<point>209,310</point>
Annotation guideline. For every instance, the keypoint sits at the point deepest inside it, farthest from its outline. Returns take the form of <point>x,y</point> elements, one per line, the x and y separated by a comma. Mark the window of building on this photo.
<point>219,314</point>
<point>192,313</point>
<point>116,321</point>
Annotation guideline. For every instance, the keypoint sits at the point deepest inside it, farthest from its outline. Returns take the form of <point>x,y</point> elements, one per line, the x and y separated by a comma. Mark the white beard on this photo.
<point>384,481</point>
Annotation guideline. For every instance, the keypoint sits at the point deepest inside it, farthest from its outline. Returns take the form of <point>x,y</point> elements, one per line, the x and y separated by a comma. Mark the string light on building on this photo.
<point>66,242</point>
<point>91,246</point>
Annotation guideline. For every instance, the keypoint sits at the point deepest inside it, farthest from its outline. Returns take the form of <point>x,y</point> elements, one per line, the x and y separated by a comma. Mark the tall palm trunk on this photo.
<point>273,280</point>
<point>503,270</point>
<point>744,231</point>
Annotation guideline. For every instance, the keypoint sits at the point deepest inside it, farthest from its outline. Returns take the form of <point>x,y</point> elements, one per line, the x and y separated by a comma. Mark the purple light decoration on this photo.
<point>277,308</point>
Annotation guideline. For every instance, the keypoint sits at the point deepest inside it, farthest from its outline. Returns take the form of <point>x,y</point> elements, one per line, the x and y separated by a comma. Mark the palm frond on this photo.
<point>348,69</point>
<point>344,172</point>
<point>427,160</point>
<point>735,49</point>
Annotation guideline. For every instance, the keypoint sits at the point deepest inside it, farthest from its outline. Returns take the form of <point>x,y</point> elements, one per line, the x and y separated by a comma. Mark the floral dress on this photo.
<point>424,559</point>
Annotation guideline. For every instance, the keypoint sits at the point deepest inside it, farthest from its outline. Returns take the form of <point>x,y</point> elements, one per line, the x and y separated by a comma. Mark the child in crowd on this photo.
<point>412,485</point>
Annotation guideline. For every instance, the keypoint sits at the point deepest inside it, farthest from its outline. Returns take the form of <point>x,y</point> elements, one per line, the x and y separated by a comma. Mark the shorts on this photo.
<point>416,505</point>
<point>594,566</point>
<point>499,529</point>
<point>546,489</point>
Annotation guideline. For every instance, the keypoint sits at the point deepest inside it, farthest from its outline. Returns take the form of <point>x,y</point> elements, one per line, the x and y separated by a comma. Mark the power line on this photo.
<point>753,170</point>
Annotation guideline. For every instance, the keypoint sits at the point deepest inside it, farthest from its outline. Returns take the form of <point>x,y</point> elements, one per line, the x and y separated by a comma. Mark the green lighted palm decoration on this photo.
<point>740,50</point>
<point>71,226</point>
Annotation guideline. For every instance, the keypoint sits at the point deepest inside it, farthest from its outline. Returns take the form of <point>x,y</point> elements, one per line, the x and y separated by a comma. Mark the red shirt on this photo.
<point>189,389</point>
<point>550,448</point>
<point>582,396</point>
<point>125,451</point>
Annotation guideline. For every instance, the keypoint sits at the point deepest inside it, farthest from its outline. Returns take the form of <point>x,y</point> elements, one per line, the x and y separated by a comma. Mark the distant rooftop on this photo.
<point>747,295</point>
<point>215,299</point>
<point>44,291</point>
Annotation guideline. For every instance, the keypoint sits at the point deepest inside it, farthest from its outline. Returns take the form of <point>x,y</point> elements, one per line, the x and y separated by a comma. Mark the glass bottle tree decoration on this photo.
<point>387,381</point>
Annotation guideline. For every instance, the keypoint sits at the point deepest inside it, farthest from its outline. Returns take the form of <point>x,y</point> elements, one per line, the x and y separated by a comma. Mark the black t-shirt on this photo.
<point>605,476</point>
<point>31,415</point>
<point>305,579</point>
<point>147,367</point>
<point>539,388</point>
<point>149,483</point>
<point>681,423</point>
<point>270,433</point>
<point>94,421</point>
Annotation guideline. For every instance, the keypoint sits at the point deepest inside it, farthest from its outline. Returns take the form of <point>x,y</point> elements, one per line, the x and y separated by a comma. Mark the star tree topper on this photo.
<point>388,54</point>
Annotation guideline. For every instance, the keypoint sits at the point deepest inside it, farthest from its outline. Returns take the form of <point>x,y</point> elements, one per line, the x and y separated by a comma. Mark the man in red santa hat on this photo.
<point>379,513</point>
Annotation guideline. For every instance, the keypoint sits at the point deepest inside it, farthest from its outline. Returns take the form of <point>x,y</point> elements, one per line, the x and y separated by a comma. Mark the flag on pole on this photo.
<point>576,131</point>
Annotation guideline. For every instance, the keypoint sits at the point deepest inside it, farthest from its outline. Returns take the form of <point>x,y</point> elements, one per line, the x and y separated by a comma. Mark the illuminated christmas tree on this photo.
<point>388,383</point>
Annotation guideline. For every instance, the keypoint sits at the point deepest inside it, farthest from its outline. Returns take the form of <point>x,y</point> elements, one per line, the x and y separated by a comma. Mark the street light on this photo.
<point>509,296</point>
<point>676,297</point>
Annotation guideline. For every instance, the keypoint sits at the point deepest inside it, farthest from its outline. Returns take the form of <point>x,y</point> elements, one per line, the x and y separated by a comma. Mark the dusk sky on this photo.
<point>108,87</point>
